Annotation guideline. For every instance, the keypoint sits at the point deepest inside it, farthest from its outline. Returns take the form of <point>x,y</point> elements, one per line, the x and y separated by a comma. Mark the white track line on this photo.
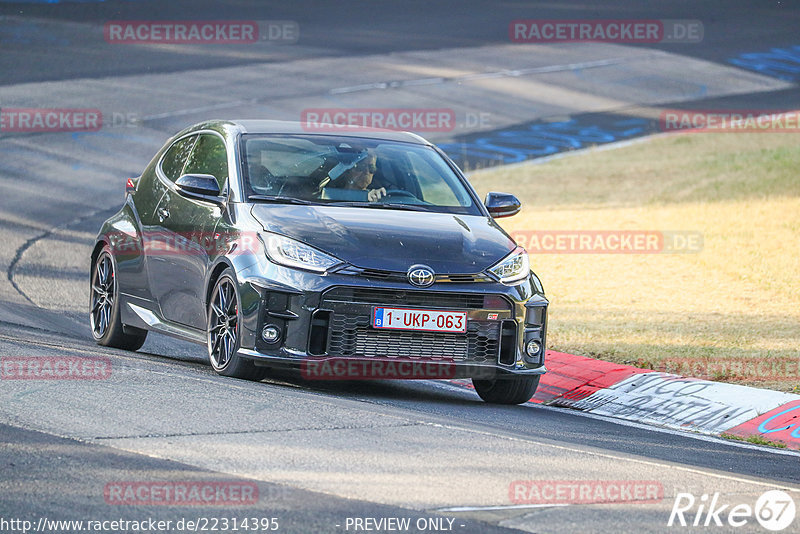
<point>505,73</point>
<point>507,507</point>
<point>624,422</point>
<point>776,484</point>
<point>512,73</point>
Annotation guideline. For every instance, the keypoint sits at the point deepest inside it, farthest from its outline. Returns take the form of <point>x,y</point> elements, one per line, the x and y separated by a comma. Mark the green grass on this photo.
<point>755,439</point>
<point>738,298</point>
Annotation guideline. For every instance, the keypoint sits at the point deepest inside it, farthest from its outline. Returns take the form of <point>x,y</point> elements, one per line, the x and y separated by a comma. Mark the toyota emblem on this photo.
<point>421,275</point>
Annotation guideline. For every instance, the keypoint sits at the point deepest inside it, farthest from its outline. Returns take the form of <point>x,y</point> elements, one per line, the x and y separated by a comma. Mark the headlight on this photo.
<point>291,253</point>
<point>512,268</point>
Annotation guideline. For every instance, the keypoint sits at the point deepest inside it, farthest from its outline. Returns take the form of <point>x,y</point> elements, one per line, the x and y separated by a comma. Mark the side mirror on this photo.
<point>199,187</point>
<point>502,204</point>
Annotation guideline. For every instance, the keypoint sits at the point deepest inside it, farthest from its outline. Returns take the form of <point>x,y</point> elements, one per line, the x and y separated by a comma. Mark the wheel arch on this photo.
<point>98,248</point>
<point>215,272</point>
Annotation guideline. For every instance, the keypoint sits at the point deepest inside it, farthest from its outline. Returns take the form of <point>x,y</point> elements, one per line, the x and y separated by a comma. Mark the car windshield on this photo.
<point>351,172</point>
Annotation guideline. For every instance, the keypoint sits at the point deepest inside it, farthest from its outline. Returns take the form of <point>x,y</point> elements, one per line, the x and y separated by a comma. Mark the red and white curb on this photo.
<point>672,401</point>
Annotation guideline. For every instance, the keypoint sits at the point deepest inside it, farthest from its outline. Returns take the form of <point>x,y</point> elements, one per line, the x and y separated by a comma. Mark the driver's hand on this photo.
<point>375,195</point>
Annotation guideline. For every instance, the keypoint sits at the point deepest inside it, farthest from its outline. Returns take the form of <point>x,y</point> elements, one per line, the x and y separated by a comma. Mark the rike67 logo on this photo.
<point>774,510</point>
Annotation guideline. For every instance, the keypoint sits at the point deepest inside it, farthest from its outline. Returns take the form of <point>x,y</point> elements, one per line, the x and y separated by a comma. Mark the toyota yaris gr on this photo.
<point>344,253</point>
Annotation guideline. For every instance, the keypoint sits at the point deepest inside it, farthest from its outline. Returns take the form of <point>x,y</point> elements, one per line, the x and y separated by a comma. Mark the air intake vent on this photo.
<point>508,342</point>
<point>318,336</point>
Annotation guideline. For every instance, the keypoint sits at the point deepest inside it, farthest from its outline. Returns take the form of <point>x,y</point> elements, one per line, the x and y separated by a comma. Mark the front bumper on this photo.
<point>324,325</point>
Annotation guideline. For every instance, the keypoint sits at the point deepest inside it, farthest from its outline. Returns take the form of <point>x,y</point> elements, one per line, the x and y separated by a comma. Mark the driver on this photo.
<point>360,177</point>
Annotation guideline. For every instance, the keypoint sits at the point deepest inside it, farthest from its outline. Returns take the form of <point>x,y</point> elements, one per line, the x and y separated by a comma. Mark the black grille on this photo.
<point>391,297</point>
<point>462,278</point>
<point>384,275</point>
<point>352,336</point>
<point>350,333</point>
<point>402,277</point>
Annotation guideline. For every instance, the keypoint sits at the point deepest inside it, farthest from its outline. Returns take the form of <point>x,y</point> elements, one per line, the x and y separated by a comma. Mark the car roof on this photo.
<point>294,127</point>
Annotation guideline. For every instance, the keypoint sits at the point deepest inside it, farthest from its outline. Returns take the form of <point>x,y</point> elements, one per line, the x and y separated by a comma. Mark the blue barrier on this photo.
<point>541,139</point>
<point>782,63</point>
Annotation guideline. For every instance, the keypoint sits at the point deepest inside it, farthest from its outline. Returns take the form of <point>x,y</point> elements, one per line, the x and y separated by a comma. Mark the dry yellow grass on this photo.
<point>736,300</point>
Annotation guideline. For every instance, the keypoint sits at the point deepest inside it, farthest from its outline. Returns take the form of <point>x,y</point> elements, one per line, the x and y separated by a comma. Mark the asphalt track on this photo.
<point>321,453</point>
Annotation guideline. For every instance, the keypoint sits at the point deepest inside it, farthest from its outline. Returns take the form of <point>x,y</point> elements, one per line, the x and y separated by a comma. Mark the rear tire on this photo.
<point>222,332</point>
<point>104,314</point>
<point>513,390</point>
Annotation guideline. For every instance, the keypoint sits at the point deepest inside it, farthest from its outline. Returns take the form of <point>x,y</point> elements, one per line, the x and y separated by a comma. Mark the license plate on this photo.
<point>423,320</point>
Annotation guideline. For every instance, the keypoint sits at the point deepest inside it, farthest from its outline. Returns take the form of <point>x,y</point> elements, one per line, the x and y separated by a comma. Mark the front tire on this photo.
<point>222,331</point>
<point>513,390</point>
<point>104,315</point>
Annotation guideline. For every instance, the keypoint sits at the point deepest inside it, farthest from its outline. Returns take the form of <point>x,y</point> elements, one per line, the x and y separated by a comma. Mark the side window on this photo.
<point>175,158</point>
<point>209,157</point>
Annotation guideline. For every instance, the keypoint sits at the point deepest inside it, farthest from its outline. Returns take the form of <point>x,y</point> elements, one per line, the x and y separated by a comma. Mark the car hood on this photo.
<point>392,239</point>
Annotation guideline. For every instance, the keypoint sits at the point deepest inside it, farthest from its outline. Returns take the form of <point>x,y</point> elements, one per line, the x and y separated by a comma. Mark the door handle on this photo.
<point>163,214</point>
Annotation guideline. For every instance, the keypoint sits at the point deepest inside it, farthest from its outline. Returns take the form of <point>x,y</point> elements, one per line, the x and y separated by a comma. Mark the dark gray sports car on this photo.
<point>347,254</point>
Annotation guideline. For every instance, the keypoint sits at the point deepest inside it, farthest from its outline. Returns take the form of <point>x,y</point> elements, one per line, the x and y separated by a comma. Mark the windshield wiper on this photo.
<point>280,199</point>
<point>379,205</point>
